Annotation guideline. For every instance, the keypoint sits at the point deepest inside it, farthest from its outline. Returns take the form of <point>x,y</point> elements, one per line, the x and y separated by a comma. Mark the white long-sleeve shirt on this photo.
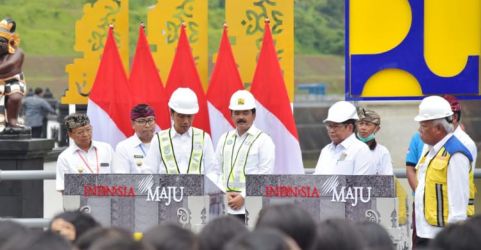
<point>96,160</point>
<point>130,155</point>
<point>260,160</point>
<point>182,145</point>
<point>466,140</point>
<point>345,158</point>
<point>382,161</point>
<point>458,190</point>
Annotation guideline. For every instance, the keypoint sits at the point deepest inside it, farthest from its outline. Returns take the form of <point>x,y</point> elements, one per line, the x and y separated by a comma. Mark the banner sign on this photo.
<point>407,49</point>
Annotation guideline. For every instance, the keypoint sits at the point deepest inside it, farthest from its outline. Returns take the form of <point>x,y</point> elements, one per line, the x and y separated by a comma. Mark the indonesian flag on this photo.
<point>184,74</point>
<point>225,80</point>
<point>109,102</point>
<point>145,84</point>
<point>274,114</point>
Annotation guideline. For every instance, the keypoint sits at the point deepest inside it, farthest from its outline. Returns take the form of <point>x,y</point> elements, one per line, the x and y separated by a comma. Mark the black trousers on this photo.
<point>421,243</point>
<point>37,132</point>
<point>241,217</point>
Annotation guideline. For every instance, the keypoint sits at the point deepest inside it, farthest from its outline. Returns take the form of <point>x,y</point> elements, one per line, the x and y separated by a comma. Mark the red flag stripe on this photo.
<point>183,73</point>
<point>110,89</point>
<point>145,83</point>
<point>268,84</point>
<point>225,79</point>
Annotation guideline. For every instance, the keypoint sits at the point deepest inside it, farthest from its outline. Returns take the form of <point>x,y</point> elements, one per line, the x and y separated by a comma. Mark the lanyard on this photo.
<point>238,150</point>
<point>86,163</point>
<point>142,149</point>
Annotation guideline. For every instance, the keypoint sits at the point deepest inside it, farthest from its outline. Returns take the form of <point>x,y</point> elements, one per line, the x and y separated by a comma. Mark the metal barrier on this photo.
<point>21,175</point>
<point>50,175</point>
<point>401,172</point>
<point>30,222</point>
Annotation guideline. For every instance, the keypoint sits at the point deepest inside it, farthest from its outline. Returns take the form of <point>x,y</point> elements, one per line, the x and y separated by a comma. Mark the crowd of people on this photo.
<point>279,227</point>
<point>443,168</point>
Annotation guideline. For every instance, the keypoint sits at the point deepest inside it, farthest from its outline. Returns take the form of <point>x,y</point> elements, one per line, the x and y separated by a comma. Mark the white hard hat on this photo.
<point>432,108</point>
<point>184,101</point>
<point>341,111</point>
<point>242,100</point>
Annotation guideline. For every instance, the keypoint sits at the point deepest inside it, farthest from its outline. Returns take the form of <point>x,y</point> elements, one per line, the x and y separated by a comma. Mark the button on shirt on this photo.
<point>260,160</point>
<point>345,158</point>
<point>129,155</point>
<point>381,159</point>
<point>458,190</point>
<point>74,160</point>
<point>182,144</point>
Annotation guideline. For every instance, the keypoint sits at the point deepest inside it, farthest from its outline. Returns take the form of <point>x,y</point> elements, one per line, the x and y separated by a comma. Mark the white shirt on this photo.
<point>260,160</point>
<point>458,190</point>
<point>182,145</point>
<point>129,155</point>
<point>73,160</point>
<point>345,158</point>
<point>381,159</point>
<point>466,140</point>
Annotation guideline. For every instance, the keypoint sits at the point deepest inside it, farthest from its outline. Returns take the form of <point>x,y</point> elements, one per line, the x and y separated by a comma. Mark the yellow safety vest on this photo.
<point>234,163</point>
<point>168,155</point>
<point>436,209</point>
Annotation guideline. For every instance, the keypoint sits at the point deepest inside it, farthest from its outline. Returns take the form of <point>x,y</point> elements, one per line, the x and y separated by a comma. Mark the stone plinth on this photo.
<point>22,199</point>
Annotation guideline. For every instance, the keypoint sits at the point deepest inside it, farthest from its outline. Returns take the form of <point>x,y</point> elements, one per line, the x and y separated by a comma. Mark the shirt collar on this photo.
<point>434,149</point>
<point>174,133</point>
<point>251,131</point>
<point>77,148</point>
<point>346,143</point>
<point>136,140</point>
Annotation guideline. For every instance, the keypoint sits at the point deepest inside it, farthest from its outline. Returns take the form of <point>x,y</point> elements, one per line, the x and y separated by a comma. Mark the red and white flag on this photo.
<point>109,101</point>
<point>274,113</point>
<point>183,73</point>
<point>145,84</point>
<point>225,80</point>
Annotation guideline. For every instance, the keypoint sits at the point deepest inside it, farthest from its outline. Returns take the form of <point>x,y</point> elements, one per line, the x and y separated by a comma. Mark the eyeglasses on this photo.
<point>334,126</point>
<point>145,121</point>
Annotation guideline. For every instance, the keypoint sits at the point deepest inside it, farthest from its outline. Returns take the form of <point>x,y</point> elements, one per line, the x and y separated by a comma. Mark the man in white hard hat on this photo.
<point>345,155</point>
<point>443,191</point>
<point>368,125</point>
<point>131,152</point>
<point>244,150</point>
<point>416,145</point>
<point>182,149</point>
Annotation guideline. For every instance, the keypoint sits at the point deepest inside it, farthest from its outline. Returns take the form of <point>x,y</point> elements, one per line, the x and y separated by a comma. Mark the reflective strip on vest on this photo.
<point>436,205</point>
<point>168,155</point>
<point>234,163</point>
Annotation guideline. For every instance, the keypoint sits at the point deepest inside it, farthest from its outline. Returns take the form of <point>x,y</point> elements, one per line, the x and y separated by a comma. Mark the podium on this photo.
<point>358,198</point>
<point>138,201</point>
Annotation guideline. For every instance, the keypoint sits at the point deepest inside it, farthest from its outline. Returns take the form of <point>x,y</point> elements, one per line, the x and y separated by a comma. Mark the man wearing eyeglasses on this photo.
<point>345,155</point>
<point>84,155</point>
<point>131,152</point>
